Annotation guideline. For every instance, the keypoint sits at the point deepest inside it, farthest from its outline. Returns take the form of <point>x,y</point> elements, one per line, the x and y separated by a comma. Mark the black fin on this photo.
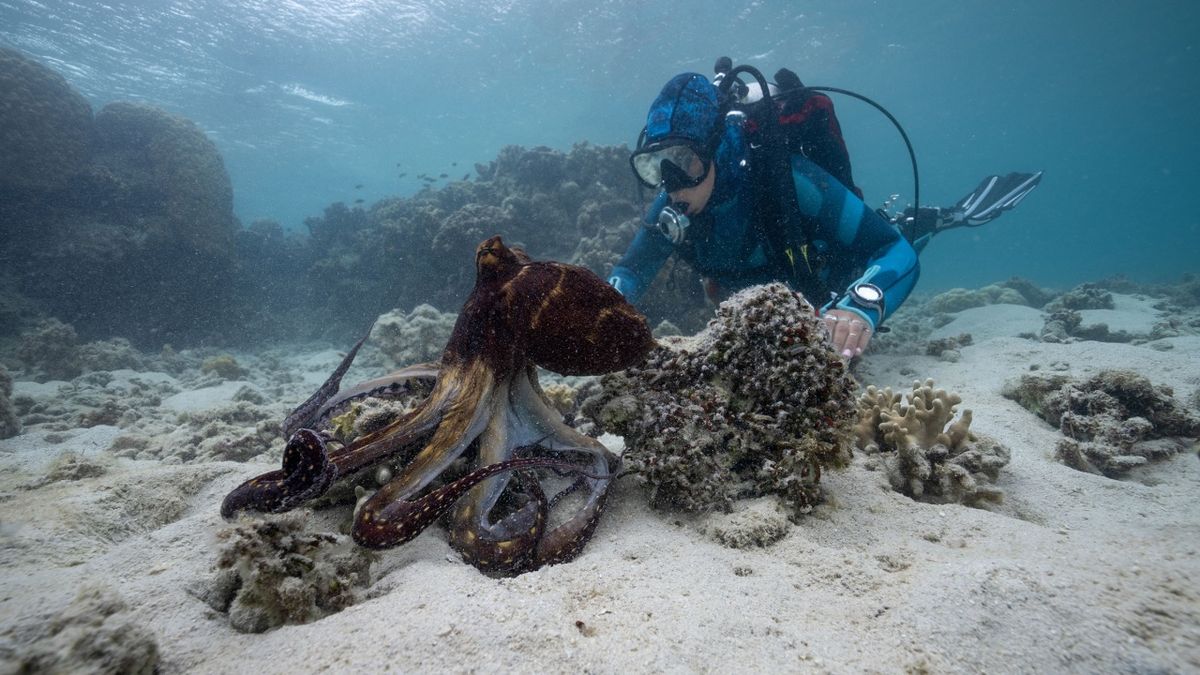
<point>993,196</point>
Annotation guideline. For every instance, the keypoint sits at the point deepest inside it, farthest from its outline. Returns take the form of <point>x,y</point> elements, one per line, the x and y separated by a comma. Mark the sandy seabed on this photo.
<point>1073,572</point>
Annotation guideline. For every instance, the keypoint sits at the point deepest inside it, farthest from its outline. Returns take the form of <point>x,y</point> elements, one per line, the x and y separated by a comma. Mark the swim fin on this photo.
<point>993,196</point>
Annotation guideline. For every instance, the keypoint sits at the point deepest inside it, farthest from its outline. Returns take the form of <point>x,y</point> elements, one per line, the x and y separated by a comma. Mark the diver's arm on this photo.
<point>641,262</point>
<point>861,233</point>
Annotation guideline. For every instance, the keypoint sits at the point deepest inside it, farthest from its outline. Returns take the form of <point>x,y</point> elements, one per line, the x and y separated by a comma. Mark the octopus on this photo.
<point>484,401</point>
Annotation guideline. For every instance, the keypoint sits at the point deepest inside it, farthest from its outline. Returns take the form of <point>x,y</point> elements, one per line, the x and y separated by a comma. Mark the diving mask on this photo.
<point>672,167</point>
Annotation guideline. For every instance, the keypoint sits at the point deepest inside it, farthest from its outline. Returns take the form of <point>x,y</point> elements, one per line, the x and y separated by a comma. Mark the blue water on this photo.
<point>306,100</point>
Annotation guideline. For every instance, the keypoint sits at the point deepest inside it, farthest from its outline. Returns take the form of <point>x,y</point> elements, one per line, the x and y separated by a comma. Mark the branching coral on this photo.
<point>1113,422</point>
<point>755,404</point>
<point>271,572</point>
<point>926,454</point>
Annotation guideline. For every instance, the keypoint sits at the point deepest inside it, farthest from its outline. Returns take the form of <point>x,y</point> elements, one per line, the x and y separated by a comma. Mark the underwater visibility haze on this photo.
<point>317,350</point>
<point>306,101</point>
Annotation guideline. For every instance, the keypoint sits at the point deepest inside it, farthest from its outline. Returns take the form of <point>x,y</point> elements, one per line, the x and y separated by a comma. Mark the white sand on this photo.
<point>1074,572</point>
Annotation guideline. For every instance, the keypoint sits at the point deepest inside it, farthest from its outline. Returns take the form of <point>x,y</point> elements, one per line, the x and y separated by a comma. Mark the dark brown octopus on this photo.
<point>485,395</point>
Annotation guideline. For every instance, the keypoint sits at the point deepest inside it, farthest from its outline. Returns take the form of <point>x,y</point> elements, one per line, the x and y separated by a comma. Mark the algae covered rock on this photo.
<point>926,453</point>
<point>272,572</point>
<point>1114,421</point>
<point>755,404</point>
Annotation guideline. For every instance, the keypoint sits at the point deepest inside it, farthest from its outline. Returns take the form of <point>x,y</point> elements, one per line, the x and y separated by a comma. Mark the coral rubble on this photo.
<point>271,572</point>
<point>1113,422</point>
<point>926,453</point>
<point>755,404</point>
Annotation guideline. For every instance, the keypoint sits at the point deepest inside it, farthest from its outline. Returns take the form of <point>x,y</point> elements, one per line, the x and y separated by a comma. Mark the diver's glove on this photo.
<point>994,195</point>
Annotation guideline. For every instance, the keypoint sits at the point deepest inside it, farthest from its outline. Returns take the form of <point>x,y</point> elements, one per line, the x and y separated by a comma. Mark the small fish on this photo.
<point>358,187</point>
<point>466,176</point>
<point>453,163</point>
<point>443,175</point>
<point>358,201</point>
<point>403,174</point>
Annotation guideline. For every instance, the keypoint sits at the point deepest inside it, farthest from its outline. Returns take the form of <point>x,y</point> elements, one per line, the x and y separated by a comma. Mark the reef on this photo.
<point>755,404</point>
<point>271,572</point>
<point>96,633</point>
<point>578,207</point>
<point>1113,422</point>
<point>101,217</point>
<point>47,127</point>
<point>926,453</point>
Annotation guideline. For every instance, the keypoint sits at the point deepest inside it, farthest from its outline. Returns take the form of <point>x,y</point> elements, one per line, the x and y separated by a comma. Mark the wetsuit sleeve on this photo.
<point>858,237</point>
<point>640,264</point>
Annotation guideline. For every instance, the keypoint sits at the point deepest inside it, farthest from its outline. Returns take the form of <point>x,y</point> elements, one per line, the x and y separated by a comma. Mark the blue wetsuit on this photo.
<point>854,243</point>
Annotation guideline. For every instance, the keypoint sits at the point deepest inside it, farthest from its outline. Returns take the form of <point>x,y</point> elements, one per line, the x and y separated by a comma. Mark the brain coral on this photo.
<point>926,454</point>
<point>755,404</point>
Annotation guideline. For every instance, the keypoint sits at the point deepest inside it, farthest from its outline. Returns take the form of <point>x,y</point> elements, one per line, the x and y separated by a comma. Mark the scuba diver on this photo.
<point>755,185</point>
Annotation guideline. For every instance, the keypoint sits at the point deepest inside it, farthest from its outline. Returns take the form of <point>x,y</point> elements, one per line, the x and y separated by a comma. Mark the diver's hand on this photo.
<point>849,333</point>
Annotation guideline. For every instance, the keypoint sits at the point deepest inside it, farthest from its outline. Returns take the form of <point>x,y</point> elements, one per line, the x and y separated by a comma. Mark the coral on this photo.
<point>9,424</point>
<point>188,198</point>
<point>415,337</point>
<point>1113,421</point>
<point>51,351</point>
<point>1084,296</point>
<point>1033,294</point>
<point>755,404</point>
<point>45,127</point>
<point>224,366</point>
<point>1060,325</point>
<point>948,348</point>
<point>272,572</point>
<point>926,453</point>
<point>958,299</point>
<point>113,354</point>
<point>561,396</point>
<point>148,214</point>
<point>94,634</point>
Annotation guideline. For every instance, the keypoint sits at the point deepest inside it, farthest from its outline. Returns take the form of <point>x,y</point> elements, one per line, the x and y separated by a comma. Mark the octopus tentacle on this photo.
<point>403,382</point>
<point>394,522</point>
<point>306,473</point>
<point>304,413</point>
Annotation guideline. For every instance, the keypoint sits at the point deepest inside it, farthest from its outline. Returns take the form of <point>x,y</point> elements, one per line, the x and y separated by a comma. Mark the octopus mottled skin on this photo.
<point>485,395</point>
